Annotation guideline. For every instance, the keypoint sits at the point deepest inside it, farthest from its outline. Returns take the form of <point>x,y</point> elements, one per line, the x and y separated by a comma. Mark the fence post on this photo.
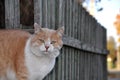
<point>38,11</point>
<point>12,14</point>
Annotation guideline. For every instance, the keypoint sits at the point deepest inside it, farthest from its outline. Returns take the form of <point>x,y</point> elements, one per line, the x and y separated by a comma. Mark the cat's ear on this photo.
<point>37,28</point>
<point>60,31</point>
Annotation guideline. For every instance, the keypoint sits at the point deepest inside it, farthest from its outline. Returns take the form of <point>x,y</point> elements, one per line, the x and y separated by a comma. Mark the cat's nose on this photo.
<point>46,47</point>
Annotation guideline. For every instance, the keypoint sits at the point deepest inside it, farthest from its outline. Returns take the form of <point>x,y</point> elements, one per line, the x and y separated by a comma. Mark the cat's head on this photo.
<point>46,41</point>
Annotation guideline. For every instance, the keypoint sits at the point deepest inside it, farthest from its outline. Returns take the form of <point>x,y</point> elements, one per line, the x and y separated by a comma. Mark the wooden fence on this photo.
<point>83,56</point>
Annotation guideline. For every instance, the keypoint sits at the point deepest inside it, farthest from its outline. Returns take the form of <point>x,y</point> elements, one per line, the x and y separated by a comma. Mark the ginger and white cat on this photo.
<point>25,56</point>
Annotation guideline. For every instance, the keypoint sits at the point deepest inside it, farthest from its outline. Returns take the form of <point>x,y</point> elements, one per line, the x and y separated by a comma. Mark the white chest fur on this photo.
<point>38,67</point>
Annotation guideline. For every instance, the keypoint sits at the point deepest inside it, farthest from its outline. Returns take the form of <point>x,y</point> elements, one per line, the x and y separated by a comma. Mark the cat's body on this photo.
<point>24,56</point>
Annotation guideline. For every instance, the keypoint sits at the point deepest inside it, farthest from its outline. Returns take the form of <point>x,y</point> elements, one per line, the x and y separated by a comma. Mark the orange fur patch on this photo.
<point>12,43</point>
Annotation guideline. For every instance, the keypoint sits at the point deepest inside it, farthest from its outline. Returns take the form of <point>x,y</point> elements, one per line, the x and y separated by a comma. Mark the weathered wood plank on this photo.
<point>38,11</point>
<point>12,14</point>
<point>52,14</point>
<point>61,8</point>
<point>16,14</point>
<point>68,41</point>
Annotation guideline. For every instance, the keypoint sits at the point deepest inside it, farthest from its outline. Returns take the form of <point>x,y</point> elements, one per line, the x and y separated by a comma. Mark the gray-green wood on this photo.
<point>12,14</point>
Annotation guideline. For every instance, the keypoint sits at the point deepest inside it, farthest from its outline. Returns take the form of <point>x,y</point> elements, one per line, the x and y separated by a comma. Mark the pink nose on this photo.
<point>46,47</point>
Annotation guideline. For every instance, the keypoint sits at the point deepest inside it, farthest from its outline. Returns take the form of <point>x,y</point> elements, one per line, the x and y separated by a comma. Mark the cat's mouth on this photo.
<point>46,52</point>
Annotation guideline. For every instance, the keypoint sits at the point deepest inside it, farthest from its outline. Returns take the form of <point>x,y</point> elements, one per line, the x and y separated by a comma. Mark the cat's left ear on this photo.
<point>60,31</point>
<point>37,28</point>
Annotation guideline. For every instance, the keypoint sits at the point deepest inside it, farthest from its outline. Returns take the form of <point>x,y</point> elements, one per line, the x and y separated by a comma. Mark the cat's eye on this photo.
<point>53,42</point>
<point>41,40</point>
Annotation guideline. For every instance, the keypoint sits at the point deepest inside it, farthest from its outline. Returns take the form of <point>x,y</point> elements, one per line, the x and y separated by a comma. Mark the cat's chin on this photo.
<point>46,52</point>
<point>42,53</point>
<point>53,53</point>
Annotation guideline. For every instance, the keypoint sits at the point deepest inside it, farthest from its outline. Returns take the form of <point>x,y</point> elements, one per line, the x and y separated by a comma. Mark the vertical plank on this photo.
<point>52,13</point>
<point>48,12</point>
<point>70,18</point>
<point>59,68</point>
<point>44,13</point>
<point>38,11</point>
<point>12,14</point>
<point>17,14</point>
<point>61,8</point>
<point>63,64</point>
<point>76,17</point>
<point>72,65</point>
<point>66,64</point>
<point>77,66</point>
<point>82,25</point>
<point>79,22</point>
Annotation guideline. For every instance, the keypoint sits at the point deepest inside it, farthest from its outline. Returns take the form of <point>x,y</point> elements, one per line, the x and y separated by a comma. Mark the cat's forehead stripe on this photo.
<point>48,32</point>
<point>48,41</point>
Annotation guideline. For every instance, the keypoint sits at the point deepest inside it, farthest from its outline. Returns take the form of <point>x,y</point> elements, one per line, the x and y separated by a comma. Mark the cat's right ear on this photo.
<point>37,28</point>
